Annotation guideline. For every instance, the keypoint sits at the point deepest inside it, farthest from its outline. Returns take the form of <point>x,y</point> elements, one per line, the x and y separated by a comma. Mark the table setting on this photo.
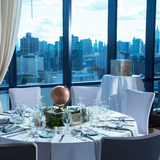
<point>75,131</point>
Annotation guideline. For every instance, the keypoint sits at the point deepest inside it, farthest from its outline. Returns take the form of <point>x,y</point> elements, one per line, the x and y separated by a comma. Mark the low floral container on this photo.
<point>121,67</point>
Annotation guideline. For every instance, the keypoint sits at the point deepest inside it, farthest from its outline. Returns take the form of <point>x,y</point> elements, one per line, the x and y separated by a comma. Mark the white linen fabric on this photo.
<point>114,87</point>
<point>89,93</point>
<point>9,24</point>
<point>70,148</point>
<point>17,94</point>
<point>138,104</point>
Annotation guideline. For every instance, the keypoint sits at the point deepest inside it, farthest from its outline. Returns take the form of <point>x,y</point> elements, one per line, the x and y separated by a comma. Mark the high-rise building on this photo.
<point>157,42</point>
<point>137,45</point>
<point>77,56</point>
<point>58,57</point>
<point>95,47</point>
<point>29,44</point>
<point>119,46</point>
<point>30,64</point>
<point>51,47</point>
<point>86,46</point>
<point>126,46</point>
<point>43,46</point>
<point>100,47</point>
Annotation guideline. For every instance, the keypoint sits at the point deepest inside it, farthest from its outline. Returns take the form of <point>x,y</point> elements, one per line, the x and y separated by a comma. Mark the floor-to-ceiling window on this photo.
<point>39,55</point>
<point>131,27</point>
<point>39,46</point>
<point>89,40</point>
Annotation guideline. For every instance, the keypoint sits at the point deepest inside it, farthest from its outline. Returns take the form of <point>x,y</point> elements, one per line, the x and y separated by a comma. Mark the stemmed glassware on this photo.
<point>66,119</point>
<point>15,113</point>
<point>81,102</point>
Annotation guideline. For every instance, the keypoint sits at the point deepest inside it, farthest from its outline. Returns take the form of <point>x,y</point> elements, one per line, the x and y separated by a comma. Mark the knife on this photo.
<point>61,138</point>
<point>16,134</point>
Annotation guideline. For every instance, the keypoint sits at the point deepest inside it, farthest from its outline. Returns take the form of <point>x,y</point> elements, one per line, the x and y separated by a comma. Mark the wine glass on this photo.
<point>15,115</point>
<point>66,119</point>
<point>36,120</point>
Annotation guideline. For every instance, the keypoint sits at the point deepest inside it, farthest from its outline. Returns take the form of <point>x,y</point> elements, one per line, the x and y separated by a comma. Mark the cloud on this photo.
<point>131,13</point>
<point>45,28</point>
<point>57,4</point>
<point>91,5</point>
<point>98,32</point>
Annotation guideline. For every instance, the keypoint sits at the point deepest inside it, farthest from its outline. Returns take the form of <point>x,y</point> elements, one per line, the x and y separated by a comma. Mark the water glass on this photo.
<point>66,119</point>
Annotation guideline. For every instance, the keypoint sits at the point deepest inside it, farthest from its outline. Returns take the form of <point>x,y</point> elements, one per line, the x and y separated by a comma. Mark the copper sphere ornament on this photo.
<point>61,96</point>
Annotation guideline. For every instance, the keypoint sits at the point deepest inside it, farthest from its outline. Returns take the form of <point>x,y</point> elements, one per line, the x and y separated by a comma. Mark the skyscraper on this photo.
<point>29,44</point>
<point>136,46</point>
<point>77,56</point>
<point>86,46</point>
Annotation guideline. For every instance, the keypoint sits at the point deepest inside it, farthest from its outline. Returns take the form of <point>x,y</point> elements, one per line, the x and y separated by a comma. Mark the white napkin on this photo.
<point>4,119</point>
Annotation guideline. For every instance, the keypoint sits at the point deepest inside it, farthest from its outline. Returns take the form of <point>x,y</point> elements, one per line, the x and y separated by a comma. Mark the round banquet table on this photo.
<point>114,87</point>
<point>73,148</point>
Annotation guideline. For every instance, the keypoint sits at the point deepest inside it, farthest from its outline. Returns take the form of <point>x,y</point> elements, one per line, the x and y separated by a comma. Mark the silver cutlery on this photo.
<point>61,138</point>
<point>15,134</point>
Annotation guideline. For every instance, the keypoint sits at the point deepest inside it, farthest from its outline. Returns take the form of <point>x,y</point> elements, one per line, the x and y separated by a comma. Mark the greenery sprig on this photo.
<point>55,121</point>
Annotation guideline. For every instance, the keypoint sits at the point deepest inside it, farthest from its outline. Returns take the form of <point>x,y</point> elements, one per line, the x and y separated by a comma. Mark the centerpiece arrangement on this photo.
<point>61,97</point>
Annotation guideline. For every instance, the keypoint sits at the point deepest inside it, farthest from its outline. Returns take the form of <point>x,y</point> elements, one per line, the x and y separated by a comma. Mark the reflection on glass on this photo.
<point>5,82</point>
<point>4,98</point>
<point>39,44</point>
<point>89,40</point>
<point>157,43</point>
<point>131,33</point>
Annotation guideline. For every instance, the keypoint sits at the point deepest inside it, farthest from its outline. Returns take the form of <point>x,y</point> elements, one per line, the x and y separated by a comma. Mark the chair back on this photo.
<point>131,148</point>
<point>137,104</point>
<point>18,151</point>
<point>89,93</point>
<point>17,94</point>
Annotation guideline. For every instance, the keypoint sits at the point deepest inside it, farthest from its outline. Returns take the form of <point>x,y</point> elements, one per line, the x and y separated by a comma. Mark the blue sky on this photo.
<point>89,19</point>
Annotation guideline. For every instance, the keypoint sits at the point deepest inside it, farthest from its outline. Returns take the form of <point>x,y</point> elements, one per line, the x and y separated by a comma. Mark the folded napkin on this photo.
<point>45,136</point>
<point>120,127</point>
<point>12,129</point>
<point>4,119</point>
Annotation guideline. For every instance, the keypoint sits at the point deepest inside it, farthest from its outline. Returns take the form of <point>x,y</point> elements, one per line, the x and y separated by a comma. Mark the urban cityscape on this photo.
<point>40,62</point>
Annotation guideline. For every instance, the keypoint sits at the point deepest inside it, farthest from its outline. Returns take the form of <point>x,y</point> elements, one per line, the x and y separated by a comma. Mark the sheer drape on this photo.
<point>9,24</point>
<point>10,11</point>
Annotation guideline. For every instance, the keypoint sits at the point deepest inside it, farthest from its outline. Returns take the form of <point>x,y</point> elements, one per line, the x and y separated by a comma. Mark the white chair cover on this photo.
<point>17,94</point>
<point>89,93</point>
<point>138,104</point>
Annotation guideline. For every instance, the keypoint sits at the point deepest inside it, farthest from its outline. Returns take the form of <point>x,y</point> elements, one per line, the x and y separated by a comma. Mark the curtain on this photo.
<point>10,11</point>
<point>9,24</point>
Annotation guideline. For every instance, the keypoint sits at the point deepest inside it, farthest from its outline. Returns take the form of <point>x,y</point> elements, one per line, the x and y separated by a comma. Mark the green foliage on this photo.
<point>76,111</point>
<point>55,121</point>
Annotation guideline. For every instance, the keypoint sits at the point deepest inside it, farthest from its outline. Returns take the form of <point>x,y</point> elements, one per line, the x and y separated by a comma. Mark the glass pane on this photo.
<point>89,40</point>
<point>4,98</point>
<point>157,43</point>
<point>46,92</point>
<point>39,43</point>
<point>5,82</point>
<point>131,33</point>
<point>156,103</point>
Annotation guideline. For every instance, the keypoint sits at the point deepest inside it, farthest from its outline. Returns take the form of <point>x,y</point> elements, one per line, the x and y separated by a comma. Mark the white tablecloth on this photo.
<point>114,87</point>
<point>71,148</point>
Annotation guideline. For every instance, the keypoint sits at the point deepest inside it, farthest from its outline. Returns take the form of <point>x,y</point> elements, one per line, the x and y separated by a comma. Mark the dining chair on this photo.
<point>137,104</point>
<point>131,148</point>
<point>30,93</point>
<point>18,151</point>
<point>89,93</point>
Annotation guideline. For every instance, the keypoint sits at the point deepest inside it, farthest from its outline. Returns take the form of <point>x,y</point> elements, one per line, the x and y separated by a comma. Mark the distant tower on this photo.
<point>29,44</point>
<point>157,33</point>
<point>137,45</point>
